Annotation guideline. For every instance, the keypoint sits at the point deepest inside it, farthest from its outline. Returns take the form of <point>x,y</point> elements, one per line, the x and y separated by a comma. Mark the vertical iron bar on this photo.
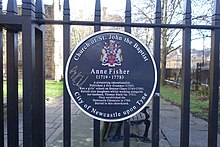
<point>128,15</point>
<point>185,88</point>
<point>1,93</point>
<point>39,83</point>
<point>27,39</point>
<point>1,86</point>
<point>12,80</point>
<point>214,79</point>
<point>96,133</point>
<point>66,98</point>
<point>156,99</point>
<point>126,139</point>
<point>28,50</point>
<point>97,15</point>
<point>96,123</point>
<point>39,93</point>
<point>12,88</point>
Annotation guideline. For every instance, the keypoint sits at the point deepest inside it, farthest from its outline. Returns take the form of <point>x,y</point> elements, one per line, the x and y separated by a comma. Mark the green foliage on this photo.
<point>203,91</point>
<point>171,94</point>
<point>19,88</point>
<point>52,89</point>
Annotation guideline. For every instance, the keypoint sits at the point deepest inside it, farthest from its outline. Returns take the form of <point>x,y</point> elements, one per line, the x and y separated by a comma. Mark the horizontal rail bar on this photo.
<point>11,19</point>
<point>7,20</point>
<point>123,24</point>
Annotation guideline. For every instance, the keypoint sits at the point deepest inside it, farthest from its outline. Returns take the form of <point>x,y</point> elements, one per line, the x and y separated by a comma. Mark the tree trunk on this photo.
<point>163,57</point>
<point>164,42</point>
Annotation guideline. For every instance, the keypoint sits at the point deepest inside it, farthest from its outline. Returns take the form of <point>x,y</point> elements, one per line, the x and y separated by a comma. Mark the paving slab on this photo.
<point>81,132</point>
<point>164,143</point>
<point>170,127</point>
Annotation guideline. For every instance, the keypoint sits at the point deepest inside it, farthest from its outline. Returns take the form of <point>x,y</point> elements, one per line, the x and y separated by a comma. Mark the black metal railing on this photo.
<point>31,24</point>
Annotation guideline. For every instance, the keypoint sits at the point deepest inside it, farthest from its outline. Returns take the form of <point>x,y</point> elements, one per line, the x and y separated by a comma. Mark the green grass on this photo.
<point>5,88</point>
<point>199,103</point>
<point>52,89</point>
<point>172,94</point>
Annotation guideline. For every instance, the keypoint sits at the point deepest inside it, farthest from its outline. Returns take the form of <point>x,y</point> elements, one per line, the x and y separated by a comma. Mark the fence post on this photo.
<point>1,86</point>
<point>66,98</point>
<point>38,113</point>
<point>126,141</point>
<point>214,79</point>
<point>96,123</point>
<point>12,79</point>
<point>185,88</point>
<point>28,62</point>
<point>156,99</point>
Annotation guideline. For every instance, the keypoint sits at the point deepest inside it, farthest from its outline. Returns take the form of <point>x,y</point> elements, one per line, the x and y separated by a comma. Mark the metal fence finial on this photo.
<point>128,15</point>
<point>128,11</point>
<point>12,7</point>
<point>40,11</point>
<point>28,7</point>
<point>188,7</point>
<point>97,15</point>
<point>0,6</point>
<point>187,12</point>
<point>216,7</point>
<point>97,9</point>
<point>128,7</point>
<point>66,7</point>
<point>158,11</point>
<point>158,6</point>
<point>28,1</point>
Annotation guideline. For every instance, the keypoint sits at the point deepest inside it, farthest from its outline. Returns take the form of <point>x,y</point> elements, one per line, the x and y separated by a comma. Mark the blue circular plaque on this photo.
<point>111,76</point>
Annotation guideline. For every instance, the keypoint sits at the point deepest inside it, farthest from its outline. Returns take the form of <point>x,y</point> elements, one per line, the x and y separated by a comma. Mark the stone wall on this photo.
<point>49,47</point>
<point>49,44</point>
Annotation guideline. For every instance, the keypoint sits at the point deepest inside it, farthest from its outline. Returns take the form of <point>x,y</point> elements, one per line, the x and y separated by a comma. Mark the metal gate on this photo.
<point>31,24</point>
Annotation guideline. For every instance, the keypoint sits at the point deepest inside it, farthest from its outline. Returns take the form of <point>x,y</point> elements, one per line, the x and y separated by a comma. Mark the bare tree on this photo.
<point>172,13</point>
<point>171,10</point>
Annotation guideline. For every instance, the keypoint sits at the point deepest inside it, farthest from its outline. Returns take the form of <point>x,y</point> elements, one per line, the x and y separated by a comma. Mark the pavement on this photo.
<point>82,128</point>
<point>170,127</point>
<point>169,130</point>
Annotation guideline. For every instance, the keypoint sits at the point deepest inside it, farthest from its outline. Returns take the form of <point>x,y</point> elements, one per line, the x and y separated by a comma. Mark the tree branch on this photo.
<point>173,49</point>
